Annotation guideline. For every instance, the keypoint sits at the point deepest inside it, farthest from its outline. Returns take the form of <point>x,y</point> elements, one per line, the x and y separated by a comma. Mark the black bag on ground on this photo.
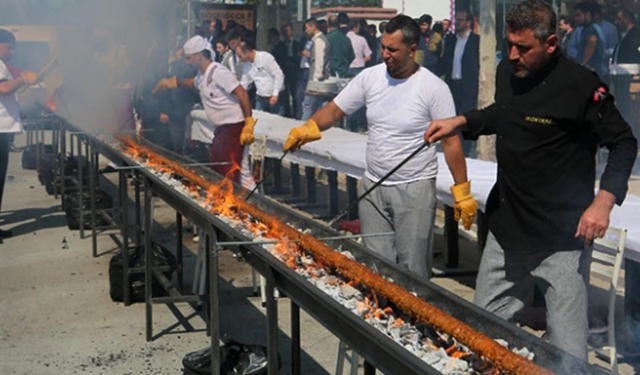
<point>29,160</point>
<point>161,257</point>
<point>73,205</point>
<point>235,358</point>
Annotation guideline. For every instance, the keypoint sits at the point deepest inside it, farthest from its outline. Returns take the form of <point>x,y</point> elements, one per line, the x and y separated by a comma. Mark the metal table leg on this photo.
<point>451,238</point>
<point>294,170</point>
<point>138,219</point>
<point>310,175</point>
<point>124,230</point>
<point>80,187</point>
<point>333,192</point>
<point>272,325</point>
<point>179,249</point>
<point>352,193</point>
<point>296,363</point>
<point>214,299</point>
<point>92,201</point>
<point>148,256</point>
<point>369,369</point>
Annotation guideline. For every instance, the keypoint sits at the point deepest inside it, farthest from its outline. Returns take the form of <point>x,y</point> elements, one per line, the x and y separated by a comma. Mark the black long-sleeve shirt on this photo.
<point>548,129</point>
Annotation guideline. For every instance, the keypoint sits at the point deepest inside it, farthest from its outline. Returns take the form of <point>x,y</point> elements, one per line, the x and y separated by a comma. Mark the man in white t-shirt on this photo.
<point>9,109</point>
<point>402,98</point>
<point>266,74</point>
<point>226,105</point>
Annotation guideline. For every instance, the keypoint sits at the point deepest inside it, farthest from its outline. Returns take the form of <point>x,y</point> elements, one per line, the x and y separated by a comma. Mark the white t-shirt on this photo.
<point>9,108</point>
<point>398,113</point>
<point>216,87</point>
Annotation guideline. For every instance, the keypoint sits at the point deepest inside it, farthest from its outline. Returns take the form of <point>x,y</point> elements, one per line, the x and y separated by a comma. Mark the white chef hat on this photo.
<point>198,44</point>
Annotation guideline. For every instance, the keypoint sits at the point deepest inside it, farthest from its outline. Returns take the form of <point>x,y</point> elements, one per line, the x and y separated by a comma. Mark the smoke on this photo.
<point>104,49</point>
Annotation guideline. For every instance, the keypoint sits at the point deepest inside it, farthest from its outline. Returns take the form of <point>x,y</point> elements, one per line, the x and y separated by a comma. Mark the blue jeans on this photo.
<point>262,104</point>
<point>298,97</point>
<point>311,104</point>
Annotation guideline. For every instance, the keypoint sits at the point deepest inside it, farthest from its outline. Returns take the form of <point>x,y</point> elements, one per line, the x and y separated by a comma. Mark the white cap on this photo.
<point>198,44</point>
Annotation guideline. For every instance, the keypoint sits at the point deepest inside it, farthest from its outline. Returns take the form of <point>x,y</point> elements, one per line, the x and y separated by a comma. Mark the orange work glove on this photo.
<point>28,77</point>
<point>465,206</point>
<point>300,135</point>
<point>246,137</point>
<point>165,84</point>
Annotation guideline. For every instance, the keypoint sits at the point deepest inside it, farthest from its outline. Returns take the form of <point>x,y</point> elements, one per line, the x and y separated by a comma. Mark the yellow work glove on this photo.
<point>165,84</point>
<point>300,135</point>
<point>246,137</point>
<point>29,78</point>
<point>465,206</point>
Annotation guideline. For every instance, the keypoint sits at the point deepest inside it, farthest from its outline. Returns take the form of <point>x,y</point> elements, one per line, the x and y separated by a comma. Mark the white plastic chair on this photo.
<point>607,257</point>
<point>345,352</point>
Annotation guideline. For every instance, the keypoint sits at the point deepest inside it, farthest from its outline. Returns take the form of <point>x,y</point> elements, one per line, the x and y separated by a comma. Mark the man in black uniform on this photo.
<point>549,116</point>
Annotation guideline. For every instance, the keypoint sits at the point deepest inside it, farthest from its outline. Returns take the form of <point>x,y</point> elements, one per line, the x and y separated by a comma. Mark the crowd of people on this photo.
<point>592,41</point>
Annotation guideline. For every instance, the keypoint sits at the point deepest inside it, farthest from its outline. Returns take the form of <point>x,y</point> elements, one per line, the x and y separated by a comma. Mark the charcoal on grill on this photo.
<point>74,204</point>
<point>29,160</point>
<point>161,257</point>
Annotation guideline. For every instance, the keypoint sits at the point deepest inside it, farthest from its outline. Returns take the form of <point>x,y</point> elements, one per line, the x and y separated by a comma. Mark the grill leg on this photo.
<point>295,339</point>
<point>214,299</point>
<point>369,369</point>
<point>272,326</point>
<point>148,254</point>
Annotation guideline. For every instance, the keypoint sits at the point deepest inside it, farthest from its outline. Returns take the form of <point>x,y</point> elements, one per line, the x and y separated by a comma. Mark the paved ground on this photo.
<point>57,316</point>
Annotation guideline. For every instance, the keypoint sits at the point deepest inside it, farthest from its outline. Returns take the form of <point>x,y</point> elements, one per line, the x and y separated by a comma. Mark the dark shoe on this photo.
<point>5,234</point>
<point>108,169</point>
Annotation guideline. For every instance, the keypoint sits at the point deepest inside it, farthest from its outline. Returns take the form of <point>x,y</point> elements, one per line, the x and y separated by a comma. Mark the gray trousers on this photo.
<point>409,211</point>
<point>505,284</point>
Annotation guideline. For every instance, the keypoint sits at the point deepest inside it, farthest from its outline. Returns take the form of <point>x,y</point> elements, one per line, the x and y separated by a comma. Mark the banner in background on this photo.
<point>244,15</point>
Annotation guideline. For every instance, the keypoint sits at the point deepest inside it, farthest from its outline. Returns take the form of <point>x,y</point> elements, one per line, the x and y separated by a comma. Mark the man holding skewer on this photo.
<point>550,115</point>
<point>401,99</point>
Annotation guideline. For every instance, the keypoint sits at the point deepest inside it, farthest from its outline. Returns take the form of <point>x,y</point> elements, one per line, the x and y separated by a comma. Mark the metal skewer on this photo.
<point>128,167</point>
<point>372,188</point>
<point>331,238</point>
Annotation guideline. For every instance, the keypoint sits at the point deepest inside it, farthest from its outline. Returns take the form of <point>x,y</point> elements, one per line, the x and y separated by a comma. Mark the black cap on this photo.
<point>7,37</point>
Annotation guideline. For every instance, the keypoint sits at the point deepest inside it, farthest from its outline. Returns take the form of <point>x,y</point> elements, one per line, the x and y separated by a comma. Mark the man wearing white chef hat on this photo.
<point>225,102</point>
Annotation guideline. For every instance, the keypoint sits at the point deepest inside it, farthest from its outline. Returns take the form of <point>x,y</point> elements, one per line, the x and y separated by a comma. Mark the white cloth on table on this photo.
<point>343,151</point>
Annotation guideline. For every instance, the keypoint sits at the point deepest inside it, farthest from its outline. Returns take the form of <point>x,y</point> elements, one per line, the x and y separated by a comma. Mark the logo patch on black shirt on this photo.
<point>538,120</point>
<point>600,94</point>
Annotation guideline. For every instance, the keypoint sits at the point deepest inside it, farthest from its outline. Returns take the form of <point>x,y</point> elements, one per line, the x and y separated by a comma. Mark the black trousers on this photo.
<point>5,139</point>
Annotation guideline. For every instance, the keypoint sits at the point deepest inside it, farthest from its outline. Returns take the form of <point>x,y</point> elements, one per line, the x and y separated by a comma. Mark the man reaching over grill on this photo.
<point>226,105</point>
<point>11,80</point>
<point>550,115</point>
<point>401,99</point>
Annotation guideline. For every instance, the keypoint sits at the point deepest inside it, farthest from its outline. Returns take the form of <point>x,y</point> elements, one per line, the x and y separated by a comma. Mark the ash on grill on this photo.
<point>440,351</point>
